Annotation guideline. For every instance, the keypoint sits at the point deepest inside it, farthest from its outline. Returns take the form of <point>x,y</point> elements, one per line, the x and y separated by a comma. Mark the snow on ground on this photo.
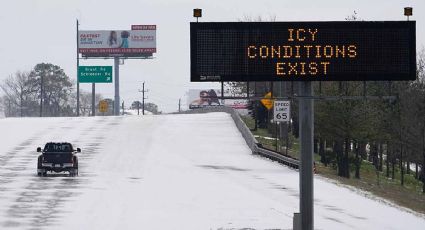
<point>135,112</point>
<point>165,172</point>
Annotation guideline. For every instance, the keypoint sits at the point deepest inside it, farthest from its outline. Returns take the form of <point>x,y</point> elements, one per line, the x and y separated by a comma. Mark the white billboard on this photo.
<point>199,98</point>
<point>140,41</point>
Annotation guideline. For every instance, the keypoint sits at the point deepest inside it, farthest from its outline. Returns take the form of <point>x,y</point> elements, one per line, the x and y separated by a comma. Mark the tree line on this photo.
<point>387,131</point>
<point>381,122</point>
<point>46,90</point>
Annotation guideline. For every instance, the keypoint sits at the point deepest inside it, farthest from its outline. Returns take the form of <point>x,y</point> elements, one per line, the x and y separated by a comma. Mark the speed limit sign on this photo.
<point>282,111</point>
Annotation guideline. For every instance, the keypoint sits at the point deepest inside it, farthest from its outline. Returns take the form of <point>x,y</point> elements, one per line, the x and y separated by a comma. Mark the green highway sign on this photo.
<point>95,74</point>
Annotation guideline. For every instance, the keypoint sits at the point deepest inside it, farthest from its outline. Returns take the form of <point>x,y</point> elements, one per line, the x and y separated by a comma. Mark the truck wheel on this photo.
<point>75,166</point>
<point>40,170</point>
<point>73,172</point>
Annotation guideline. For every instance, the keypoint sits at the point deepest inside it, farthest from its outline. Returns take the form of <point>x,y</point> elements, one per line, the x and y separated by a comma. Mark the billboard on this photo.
<point>200,98</point>
<point>303,51</point>
<point>140,41</point>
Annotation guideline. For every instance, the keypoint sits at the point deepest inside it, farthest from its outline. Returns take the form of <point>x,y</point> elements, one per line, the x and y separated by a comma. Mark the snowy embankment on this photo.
<point>165,172</point>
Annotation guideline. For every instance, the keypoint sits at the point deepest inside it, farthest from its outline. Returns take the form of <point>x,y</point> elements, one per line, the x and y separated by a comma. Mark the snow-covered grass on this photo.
<point>166,172</point>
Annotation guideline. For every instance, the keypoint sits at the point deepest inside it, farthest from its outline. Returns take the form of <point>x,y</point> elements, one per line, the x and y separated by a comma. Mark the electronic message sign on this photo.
<point>303,51</point>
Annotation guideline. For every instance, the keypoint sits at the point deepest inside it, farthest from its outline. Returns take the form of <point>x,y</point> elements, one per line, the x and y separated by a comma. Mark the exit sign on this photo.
<point>95,74</point>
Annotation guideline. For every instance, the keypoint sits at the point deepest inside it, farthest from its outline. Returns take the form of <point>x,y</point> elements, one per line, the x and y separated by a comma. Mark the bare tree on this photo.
<point>353,17</point>
<point>258,18</point>
<point>18,96</point>
<point>86,102</point>
<point>1,107</point>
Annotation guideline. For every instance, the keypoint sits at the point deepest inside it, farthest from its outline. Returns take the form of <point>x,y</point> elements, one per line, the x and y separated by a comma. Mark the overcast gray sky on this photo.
<point>35,31</point>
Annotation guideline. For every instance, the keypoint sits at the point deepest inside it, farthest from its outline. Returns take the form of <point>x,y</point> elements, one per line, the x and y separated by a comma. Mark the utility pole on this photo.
<point>143,91</point>
<point>179,104</point>
<point>41,93</point>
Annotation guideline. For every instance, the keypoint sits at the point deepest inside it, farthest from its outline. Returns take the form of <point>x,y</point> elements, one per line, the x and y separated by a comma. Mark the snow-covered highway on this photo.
<point>166,172</point>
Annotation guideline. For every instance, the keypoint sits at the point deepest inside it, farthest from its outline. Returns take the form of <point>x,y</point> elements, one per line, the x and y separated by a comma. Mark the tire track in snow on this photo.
<point>37,203</point>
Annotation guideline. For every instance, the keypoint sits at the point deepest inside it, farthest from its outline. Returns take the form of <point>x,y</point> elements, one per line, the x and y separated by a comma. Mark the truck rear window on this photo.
<point>58,148</point>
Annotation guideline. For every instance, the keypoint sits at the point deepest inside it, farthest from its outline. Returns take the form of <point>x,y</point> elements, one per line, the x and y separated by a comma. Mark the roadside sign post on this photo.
<point>282,111</point>
<point>117,87</point>
<point>267,101</point>
<point>94,74</point>
<point>306,116</point>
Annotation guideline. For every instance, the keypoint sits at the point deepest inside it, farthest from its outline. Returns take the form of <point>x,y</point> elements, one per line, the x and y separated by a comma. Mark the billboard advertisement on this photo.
<point>200,98</point>
<point>141,41</point>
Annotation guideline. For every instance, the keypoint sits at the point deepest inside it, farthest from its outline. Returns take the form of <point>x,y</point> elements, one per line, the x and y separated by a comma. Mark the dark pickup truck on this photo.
<point>57,157</point>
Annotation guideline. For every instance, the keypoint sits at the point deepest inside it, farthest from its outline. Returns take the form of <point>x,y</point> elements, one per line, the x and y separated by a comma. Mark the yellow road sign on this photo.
<point>103,106</point>
<point>267,102</point>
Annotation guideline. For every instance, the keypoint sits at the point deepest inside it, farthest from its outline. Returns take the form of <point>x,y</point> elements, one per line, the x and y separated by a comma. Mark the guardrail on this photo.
<point>291,162</point>
<point>253,144</point>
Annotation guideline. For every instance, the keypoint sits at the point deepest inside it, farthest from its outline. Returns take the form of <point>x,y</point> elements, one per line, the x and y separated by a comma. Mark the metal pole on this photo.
<point>287,138</point>
<point>247,89</point>
<point>93,99</point>
<point>222,90</point>
<point>41,93</point>
<point>364,88</point>
<point>117,86</point>
<point>320,88</point>
<point>179,104</point>
<point>255,107</point>
<point>306,117</point>
<point>143,99</point>
<point>277,124</point>
<point>78,80</point>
